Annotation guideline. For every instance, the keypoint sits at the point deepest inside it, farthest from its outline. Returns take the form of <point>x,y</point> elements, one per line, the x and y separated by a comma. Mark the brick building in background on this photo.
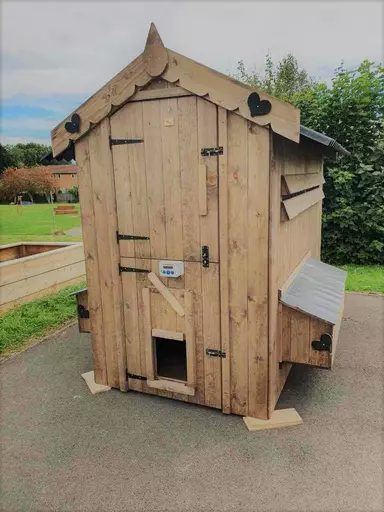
<point>65,175</point>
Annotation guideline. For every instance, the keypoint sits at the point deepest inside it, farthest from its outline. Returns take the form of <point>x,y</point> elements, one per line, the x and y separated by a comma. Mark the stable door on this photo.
<point>166,177</point>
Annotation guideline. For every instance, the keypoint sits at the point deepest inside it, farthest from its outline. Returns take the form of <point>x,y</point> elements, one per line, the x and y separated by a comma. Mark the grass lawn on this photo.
<point>365,278</point>
<point>36,223</point>
<point>36,319</point>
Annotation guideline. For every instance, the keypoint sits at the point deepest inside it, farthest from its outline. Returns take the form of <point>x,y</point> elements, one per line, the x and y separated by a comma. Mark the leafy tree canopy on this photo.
<point>351,110</point>
<point>27,155</point>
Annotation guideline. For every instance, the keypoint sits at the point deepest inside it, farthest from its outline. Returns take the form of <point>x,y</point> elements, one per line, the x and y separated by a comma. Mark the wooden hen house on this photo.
<point>201,211</point>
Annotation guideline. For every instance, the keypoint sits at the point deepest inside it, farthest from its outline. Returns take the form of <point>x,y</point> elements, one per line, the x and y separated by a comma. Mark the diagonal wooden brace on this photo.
<point>166,293</point>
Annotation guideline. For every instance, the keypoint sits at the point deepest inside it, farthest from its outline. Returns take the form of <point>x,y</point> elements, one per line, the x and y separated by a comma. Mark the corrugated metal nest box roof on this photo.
<point>332,145</point>
<point>318,290</point>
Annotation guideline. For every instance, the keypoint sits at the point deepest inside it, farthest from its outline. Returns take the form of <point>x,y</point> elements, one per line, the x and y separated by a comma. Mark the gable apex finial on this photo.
<point>155,55</point>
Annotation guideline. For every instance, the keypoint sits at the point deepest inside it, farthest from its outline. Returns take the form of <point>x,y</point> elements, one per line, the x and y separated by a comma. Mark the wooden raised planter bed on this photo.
<point>30,270</point>
<point>66,209</point>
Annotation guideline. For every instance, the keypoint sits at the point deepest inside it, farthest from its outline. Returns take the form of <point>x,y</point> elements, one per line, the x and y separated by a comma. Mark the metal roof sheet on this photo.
<point>323,139</point>
<point>318,290</point>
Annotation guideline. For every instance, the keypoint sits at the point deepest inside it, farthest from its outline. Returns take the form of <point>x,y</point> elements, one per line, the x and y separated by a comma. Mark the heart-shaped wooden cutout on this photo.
<point>73,126</point>
<point>257,106</point>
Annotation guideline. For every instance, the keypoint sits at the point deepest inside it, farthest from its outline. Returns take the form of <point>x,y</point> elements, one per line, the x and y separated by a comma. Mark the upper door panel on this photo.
<point>165,189</point>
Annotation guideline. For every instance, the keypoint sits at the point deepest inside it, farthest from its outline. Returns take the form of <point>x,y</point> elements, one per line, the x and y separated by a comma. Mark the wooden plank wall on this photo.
<point>204,284</point>
<point>299,331</point>
<point>247,263</point>
<point>99,221</point>
<point>26,279</point>
<point>289,243</point>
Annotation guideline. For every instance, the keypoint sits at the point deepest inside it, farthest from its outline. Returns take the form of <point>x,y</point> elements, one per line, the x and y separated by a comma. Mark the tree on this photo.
<point>75,192</point>
<point>26,155</point>
<point>6,158</point>
<point>283,80</point>
<point>37,180</point>
<point>351,111</point>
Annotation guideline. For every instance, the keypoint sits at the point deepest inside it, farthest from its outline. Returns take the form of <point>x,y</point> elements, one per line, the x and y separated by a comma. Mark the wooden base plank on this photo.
<point>280,418</point>
<point>94,388</point>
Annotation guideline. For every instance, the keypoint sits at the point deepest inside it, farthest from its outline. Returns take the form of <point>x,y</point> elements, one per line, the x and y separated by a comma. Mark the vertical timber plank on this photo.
<point>142,282</point>
<point>211,333</point>
<point>257,267</point>
<point>193,283</point>
<point>108,252</point>
<point>131,317</point>
<point>123,181</point>
<point>189,161</point>
<point>150,371</point>
<point>91,260</point>
<point>203,203</point>
<point>207,137</point>
<point>286,334</point>
<point>169,120</point>
<point>190,338</point>
<point>137,175</point>
<point>155,185</point>
<point>300,332</point>
<point>274,350</point>
<point>223,238</point>
<point>237,264</point>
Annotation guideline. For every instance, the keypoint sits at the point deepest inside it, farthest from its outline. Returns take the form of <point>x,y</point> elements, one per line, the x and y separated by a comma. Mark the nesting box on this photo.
<point>201,208</point>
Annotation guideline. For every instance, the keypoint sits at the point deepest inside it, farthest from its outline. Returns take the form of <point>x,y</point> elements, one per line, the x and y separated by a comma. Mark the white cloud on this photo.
<point>22,124</point>
<point>74,48</point>
<point>5,139</point>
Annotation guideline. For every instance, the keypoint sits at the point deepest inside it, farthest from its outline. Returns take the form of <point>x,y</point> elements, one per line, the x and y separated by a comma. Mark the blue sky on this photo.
<point>56,54</point>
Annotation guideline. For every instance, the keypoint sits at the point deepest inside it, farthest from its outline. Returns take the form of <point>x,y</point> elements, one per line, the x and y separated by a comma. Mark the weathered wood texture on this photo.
<point>200,286</point>
<point>157,183</point>
<point>247,255</point>
<point>289,242</point>
<point>22,249</point>
<point>192,76</point>
<point>300,331</point>
<point>82,301</point>
<point>27,278</point>
<point>99,221</point>
<point>295,205</point>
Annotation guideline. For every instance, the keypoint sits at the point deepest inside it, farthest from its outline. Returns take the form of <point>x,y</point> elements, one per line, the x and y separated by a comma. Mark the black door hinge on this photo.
<point>130,269</point>
<point>212,151</point>
<point>215,353</point>
<point>324,343</point>
<point>82,312</point>
<point>130,237</point>
<point>118,142</point>
<point>134,376</point>
<point>205,255</point>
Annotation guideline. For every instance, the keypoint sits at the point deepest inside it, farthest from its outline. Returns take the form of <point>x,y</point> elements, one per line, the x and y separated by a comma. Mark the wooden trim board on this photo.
<point>160,94</point>
<point>190,339</point>
<point>297,182</point>
<point>170,385</point>
<point>298,204</point>
<point>192,76</point>
<point>166,293</point>
<point>148,340</point>
<point>169,335</point>
<point>94,388</point>
<point>291,278</point>
<point>280,418</point>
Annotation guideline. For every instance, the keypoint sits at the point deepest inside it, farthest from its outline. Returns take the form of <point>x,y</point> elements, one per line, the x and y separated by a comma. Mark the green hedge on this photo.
<point>351,111</point>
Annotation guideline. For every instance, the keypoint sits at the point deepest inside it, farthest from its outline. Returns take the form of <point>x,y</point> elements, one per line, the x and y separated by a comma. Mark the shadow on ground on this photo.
<point>66,450</point>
